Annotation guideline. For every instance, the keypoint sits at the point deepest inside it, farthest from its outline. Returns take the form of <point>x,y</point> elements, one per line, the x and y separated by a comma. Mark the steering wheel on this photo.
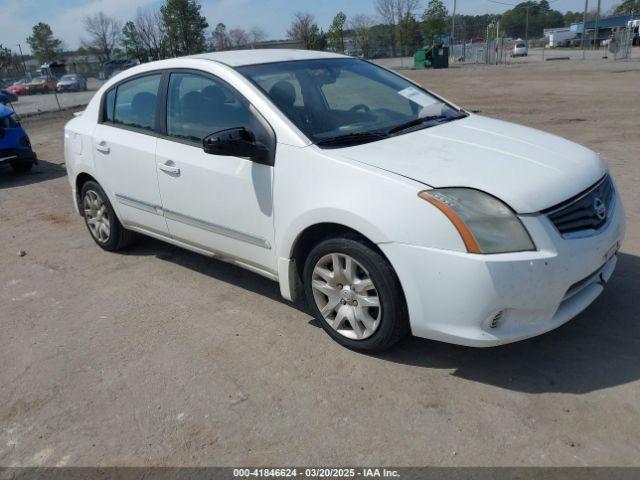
<point>360,106</point>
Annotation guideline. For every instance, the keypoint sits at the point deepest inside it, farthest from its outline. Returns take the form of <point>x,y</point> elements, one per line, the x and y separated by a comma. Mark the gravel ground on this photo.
<point>158,356</point>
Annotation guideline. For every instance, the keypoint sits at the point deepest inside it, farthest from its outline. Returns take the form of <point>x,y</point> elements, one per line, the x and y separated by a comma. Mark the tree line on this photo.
<point>174,29</point>
<point>398,27</point>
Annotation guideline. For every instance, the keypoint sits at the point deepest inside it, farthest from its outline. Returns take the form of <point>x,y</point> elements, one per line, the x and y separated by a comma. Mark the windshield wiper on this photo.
<point>419,121</point>
<point>352,138</point>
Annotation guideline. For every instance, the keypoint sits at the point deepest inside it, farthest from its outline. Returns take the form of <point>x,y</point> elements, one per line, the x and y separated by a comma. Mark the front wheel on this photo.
<point>100,218</point>
<point>355,294</point>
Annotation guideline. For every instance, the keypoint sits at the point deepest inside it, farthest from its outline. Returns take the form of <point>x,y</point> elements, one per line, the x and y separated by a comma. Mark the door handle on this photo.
<point>103,147</point>
<point>169,168</point>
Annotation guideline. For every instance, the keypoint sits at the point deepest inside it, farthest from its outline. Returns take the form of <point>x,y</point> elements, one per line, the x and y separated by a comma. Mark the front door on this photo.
<point>220,203</point>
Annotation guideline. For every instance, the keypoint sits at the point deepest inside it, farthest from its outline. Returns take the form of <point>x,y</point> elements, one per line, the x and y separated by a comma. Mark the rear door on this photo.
<point>124,143</point>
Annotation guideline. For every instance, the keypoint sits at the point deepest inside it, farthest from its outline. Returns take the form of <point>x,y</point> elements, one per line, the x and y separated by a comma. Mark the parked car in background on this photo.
<point>19,87</point>
<point>72,82</point>
<point>394,210</point>
<point>7,97</point>
<point>114,73</point>
<point>111,66</point>
<point>520,49</point>
<point>15,146</point>
<point>42,84</point>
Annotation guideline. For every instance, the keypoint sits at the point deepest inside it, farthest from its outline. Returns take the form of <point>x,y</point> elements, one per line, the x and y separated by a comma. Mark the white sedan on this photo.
<point>520,49</point>
<point>393,210</point>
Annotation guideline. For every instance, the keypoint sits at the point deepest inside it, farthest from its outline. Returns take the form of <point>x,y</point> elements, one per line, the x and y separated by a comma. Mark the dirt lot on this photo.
<point>162,357</point>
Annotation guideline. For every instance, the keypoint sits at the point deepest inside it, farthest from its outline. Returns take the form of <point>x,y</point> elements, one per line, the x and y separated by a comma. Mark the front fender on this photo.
<point>293,231</point>
<point>313,187</point>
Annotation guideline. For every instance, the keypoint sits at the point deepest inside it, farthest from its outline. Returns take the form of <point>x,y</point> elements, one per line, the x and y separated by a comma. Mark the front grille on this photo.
<point>585,213</point>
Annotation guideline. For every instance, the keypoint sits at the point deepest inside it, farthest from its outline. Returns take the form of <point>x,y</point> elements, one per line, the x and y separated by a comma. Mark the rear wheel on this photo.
<point>100,218</point>
<point>355,294</point>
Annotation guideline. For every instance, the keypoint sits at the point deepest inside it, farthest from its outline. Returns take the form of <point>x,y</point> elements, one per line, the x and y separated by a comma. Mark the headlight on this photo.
<point>485,224</point>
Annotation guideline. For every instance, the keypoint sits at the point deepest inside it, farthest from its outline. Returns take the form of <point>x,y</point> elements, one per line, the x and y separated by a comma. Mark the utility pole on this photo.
<point>24,65</point>
<point>453,23</point>
<point>497,39</point>
<point>584,27</point>
<point>526,29</point>
<point>597,25</point>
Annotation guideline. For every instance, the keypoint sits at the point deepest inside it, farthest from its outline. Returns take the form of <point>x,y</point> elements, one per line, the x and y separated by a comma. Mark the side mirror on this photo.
<point>236,142</point>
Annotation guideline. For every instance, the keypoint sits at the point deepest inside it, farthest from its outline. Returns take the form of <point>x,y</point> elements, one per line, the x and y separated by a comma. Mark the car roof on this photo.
<point>238,58</point>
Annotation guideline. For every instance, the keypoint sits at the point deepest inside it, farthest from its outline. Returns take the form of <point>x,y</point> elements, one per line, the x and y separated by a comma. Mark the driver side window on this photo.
<point>198,105</point>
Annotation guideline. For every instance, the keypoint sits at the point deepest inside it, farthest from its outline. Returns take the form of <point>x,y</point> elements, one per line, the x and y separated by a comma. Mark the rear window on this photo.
<point>520,45</point>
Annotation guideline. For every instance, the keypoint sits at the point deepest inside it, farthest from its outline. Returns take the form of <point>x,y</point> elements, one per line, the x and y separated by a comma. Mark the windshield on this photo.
<point>68,78</point>
<point>347,98</point>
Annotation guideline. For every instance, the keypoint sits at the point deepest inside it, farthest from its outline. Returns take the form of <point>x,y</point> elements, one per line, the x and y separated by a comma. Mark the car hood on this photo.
<point>67,82</point>
<point>528,169</point>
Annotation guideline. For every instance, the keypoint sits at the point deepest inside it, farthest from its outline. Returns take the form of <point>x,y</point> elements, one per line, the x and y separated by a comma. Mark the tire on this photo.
<point>390,319</point>
<point>96,210</point>
<point>22,167</point>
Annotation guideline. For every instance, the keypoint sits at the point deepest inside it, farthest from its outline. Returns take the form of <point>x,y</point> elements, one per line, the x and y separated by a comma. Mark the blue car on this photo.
<point>15,146</point>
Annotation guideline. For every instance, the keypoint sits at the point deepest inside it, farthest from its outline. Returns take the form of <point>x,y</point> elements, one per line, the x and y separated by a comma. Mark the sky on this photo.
<point>17,17</point>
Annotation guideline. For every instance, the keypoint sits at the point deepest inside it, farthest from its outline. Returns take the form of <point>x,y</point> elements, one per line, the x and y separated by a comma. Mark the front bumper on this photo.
<point>487,300</point>
<point>17,155</point>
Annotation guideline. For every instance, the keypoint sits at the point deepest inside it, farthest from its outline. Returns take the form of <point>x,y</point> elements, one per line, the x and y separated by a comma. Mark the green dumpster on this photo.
<point>419,59</point>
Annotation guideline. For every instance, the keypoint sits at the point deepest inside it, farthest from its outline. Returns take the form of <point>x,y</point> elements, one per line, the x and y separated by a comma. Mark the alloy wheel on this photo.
<point>346,296</point>
<point>97,216</point>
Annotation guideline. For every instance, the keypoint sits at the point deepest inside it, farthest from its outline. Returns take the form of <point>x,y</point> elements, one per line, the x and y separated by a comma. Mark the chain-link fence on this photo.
<point>490,53</point>
<point>621,44</point>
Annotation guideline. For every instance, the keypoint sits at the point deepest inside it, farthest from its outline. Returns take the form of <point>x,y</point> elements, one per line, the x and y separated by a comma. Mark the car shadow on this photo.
<point>598,349</point>
<point>214,268</point>
<point>41,172</point>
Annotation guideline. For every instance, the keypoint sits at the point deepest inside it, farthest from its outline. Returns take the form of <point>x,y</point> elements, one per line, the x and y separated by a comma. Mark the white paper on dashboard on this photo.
<point>416,96</point>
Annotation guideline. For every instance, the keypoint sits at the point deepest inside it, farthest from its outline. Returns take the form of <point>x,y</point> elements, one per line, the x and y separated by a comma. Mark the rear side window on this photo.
<point>136,102</point>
